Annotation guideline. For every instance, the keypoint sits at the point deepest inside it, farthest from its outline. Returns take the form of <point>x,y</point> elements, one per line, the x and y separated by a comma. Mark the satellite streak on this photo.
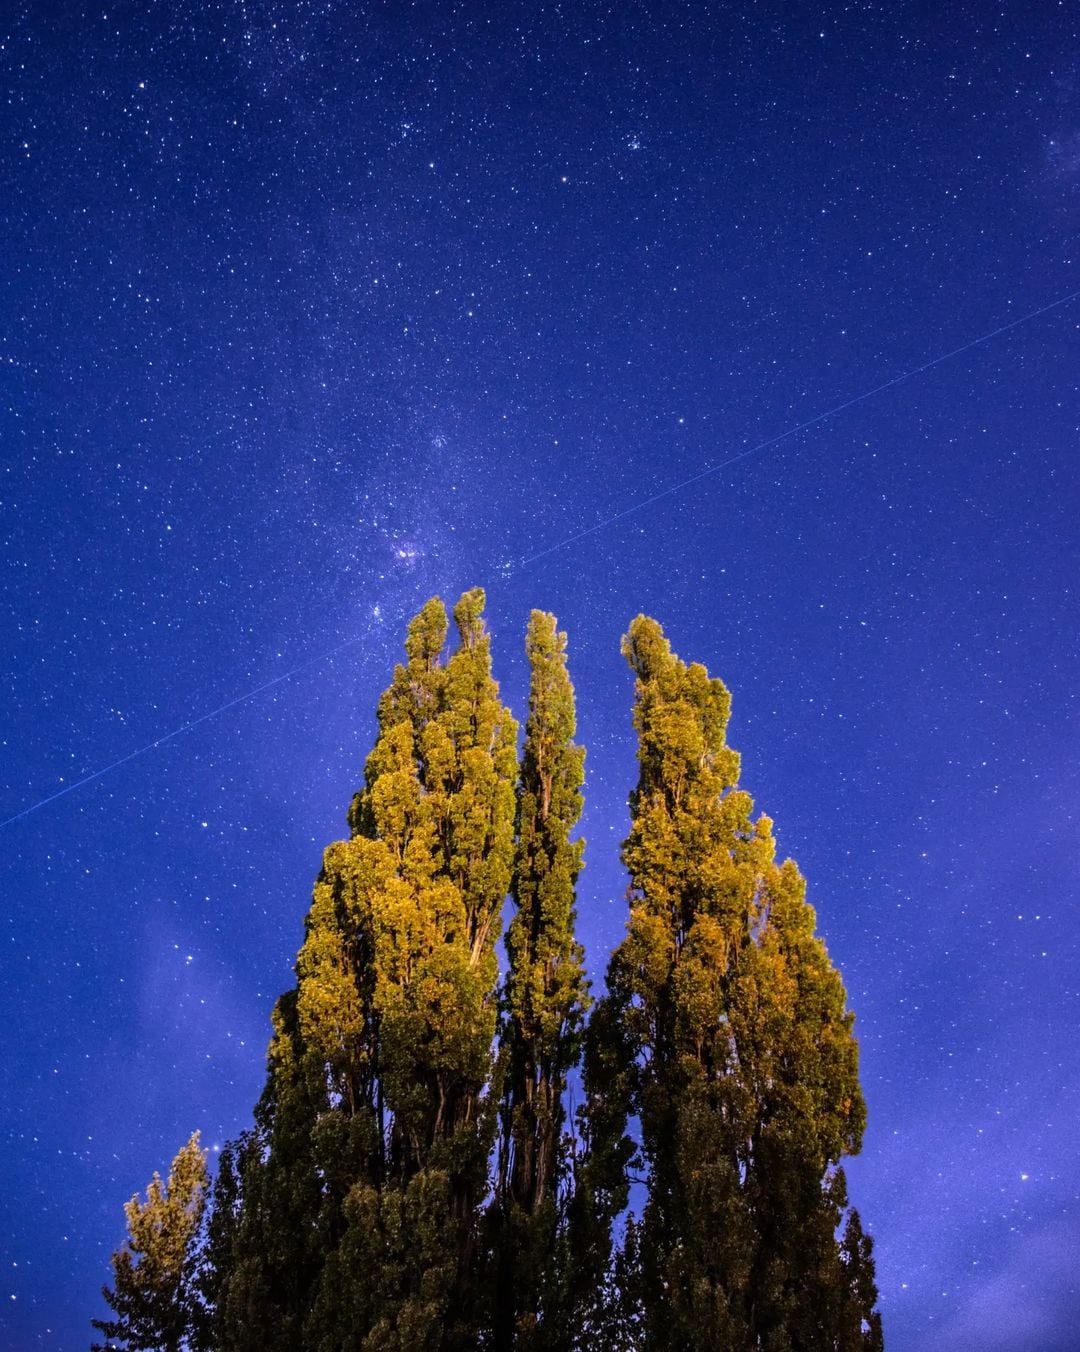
<point>176,732</point>
<point>757,449</point>
<point>800,427</point>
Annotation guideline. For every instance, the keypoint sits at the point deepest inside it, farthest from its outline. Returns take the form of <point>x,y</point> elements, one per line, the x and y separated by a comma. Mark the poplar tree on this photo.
<point>545,1003</point>
<point>155,1294</point>
<point>360,1197</point>
<point>742,1069</point>
<point>719,1069</point>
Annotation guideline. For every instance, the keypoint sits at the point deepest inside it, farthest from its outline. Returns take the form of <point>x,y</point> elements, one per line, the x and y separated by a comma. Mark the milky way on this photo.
<point>311,311</point>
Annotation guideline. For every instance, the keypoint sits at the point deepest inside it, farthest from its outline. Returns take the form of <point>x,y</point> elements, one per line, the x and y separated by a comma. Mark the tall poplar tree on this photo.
<point>155,1295</point>
<point>545,1002</point>
<point>743,1070</point>
<point>360,1197</point>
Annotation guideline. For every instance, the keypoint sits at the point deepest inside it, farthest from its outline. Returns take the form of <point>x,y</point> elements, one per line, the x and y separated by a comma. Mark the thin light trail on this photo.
<point>184,727</point>
<point>668,492</point>
<point>818,418</point>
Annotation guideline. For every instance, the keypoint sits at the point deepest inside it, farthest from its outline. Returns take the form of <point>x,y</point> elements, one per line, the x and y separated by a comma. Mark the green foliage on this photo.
<point>358,1222</point>
<point>272,1217</point>
<point>155,1295</point>
<point>545,1003</point>
<point>858,1316</point>
<point>411,1182</point>
<point>740,1061</point>
<point>602,1290</point>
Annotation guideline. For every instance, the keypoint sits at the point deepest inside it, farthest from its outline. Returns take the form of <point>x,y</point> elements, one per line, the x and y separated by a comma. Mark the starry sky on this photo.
<point>757,318</point>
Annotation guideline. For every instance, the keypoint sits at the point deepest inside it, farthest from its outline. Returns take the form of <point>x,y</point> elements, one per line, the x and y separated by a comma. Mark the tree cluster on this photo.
<point>413,1180</point>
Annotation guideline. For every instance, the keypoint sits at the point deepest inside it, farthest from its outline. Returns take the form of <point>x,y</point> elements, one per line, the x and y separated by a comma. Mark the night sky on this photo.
<point>308,311</point>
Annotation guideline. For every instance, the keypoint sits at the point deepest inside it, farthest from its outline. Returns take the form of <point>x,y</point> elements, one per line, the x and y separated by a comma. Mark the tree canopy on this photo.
<point>413,1179</point>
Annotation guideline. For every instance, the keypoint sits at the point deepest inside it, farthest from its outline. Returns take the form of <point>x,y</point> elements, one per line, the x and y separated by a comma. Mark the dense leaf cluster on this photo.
<point>412,1180</point>
<point>155,1300</point>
